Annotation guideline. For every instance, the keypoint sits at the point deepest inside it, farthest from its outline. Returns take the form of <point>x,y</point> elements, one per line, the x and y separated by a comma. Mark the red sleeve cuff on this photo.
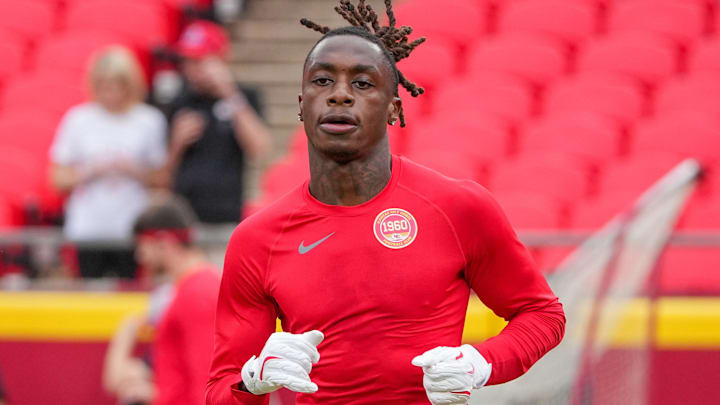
<point>247,398</point>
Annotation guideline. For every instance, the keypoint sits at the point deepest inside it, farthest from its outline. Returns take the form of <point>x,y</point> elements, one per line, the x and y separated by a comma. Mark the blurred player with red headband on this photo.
<point>184,337</point>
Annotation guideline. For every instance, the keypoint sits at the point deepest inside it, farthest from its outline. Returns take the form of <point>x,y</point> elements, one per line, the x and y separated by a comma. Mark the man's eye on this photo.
<point>322,81</point>
<point>361,84</point>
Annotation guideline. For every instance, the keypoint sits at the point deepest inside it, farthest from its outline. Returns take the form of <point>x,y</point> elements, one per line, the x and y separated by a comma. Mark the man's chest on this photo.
<point>394,262</point>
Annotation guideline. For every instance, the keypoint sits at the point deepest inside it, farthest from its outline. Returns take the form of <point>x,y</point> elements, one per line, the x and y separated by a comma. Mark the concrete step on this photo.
<point>312,9</point>
<point>282,30</point>
<point>268,9</point>
<point>281,94</point>
<point>271,51</point>
<point>269,73</point>
<point>281,115</point>
<point>281,136</point>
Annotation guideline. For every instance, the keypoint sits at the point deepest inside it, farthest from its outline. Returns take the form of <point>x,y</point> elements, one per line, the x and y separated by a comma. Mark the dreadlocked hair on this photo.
<point>392,40</point>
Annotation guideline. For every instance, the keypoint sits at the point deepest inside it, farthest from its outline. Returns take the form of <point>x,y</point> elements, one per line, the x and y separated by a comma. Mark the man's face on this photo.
<point>149,253</point>
<point>196,73</point>
<point>347,97</point>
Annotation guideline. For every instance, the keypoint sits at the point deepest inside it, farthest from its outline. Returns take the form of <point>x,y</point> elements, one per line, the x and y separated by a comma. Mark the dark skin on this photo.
<point>346,103</point>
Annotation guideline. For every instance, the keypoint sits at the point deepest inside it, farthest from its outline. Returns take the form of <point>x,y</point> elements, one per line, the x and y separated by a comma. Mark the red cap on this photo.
<point>203,38</point>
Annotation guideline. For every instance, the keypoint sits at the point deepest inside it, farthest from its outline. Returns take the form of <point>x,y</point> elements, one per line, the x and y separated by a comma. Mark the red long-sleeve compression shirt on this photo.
<point>384,281</point>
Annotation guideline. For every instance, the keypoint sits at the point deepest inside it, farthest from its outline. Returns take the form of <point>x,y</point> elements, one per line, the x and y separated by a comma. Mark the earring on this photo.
<point>300,117</point>
<point>393,122</point>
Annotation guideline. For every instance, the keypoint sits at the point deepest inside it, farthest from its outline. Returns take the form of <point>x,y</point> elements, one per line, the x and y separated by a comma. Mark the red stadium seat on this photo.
<point>282,177</point>
<point>442,20</point>
<point>558,176</point>
<point>486,93</point>
<point>449,163</point>
<point>46,92</point>
<point>398,137</point>
<point>483,138</point>
<point>571,22</point>
<point>680,21</point>
<point>637,173</point>
<point>7,217</point>
<point>31,20</point>
<point>12,54</point>
<point>549,258</point>
<point>595,213</point>
<point>700,214</point>
<point>689,271</point>
<point>640,56</point>
<point>712,181</point>
<point>31,131</point>
<point>22,175</point>
<point>697,92</point>
<point>683,134</point>
<point>529,57</point>
<point>613,96</point>
<point>593,137</point>
<point>705,57</point>
<point>145,24</point>
<point>431,63</point>
<point>72,52</point>
<point>530,211</point>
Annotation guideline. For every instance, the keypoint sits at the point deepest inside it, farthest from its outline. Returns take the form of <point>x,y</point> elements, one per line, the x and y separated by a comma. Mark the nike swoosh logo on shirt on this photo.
<point>302,249</point>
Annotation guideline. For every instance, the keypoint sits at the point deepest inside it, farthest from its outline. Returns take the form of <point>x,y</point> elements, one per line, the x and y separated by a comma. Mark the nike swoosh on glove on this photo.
<point>451,372</point>
<point>285,361</point>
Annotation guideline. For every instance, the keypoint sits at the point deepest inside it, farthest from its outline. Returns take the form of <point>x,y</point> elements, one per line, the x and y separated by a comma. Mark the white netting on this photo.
<point>603,358</point>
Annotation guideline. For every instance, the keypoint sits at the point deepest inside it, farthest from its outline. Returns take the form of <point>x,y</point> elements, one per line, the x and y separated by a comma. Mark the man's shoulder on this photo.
<point>204,283</point>
<point>444,191</point>
<point>261,228</point>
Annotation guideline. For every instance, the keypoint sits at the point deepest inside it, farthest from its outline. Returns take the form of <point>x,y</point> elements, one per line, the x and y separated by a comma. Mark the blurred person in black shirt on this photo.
<point>213,128</point>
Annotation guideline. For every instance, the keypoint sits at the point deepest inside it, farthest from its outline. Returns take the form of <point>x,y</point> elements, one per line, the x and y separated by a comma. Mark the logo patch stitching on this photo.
<point>395,228</point>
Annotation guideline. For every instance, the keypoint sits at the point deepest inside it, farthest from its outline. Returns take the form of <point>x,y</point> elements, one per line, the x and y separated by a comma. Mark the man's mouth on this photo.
<point>338,124</point>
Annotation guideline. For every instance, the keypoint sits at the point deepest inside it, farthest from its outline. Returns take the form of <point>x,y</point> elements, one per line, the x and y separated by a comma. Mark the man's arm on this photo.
<point>245,319</point>
<point>250,132</point>
<point>504,276</point>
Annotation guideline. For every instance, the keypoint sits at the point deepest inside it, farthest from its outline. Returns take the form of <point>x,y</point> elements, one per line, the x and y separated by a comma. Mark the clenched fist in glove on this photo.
<point>451,372</point>
<point>285,361</point>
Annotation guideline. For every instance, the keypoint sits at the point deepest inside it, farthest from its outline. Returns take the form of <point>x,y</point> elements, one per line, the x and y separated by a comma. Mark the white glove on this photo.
<point>451,372</point>
<point>285,361</point>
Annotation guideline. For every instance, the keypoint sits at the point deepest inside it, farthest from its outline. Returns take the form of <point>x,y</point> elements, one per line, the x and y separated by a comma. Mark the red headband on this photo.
<point>183,235</point>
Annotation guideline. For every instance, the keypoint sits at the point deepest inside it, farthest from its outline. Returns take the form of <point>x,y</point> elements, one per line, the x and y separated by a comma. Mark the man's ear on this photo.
<point>394,110</point>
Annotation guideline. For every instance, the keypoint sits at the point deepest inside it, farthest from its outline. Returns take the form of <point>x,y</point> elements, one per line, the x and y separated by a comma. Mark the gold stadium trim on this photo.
<point>682,322</point>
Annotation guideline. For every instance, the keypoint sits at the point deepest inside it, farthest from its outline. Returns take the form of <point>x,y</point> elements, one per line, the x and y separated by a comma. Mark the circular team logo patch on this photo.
<point>395,228</point>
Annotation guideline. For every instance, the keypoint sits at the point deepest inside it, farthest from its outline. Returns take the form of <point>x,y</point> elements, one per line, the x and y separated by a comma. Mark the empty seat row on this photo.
<point>572,22</point>
<point>145,22</point>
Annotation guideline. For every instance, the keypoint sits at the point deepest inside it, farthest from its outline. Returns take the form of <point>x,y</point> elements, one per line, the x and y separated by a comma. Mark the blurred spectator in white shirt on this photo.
<point>107,154</point>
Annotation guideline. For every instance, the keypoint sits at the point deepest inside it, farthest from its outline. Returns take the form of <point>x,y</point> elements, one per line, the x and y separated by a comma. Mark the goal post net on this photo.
<point>604,356</point>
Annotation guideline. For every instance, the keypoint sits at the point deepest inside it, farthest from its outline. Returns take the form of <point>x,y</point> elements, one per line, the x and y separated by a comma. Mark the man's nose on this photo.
<point>341,95</point>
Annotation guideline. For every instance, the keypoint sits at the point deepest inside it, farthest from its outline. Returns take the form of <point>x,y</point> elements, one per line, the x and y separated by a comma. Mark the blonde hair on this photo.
<point>119,63</point>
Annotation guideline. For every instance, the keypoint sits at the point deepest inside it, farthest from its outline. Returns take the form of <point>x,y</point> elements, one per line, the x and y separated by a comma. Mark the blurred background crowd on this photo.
<point>567,110</point>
